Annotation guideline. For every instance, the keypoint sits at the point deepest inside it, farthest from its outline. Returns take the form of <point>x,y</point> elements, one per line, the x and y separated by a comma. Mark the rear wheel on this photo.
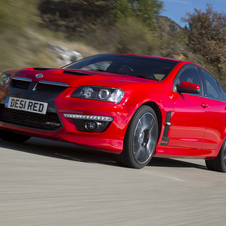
<point>13,137</point>
<point>140,140</point>
<point>219,163</point>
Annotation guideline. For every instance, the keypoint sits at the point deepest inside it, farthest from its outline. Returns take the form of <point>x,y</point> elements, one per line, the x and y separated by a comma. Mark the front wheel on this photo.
<point>219,163</point>
<point>13,137</point>
<point>140,140</point>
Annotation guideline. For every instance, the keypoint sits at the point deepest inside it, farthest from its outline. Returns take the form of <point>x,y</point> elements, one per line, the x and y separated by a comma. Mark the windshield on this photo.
<point>137,66</point>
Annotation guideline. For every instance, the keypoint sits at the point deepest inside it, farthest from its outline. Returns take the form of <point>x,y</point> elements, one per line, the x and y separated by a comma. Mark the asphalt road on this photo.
<point>50,183</point>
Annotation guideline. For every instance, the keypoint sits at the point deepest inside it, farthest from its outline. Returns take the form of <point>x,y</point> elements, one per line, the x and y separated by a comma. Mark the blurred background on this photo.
<point>49,33</point>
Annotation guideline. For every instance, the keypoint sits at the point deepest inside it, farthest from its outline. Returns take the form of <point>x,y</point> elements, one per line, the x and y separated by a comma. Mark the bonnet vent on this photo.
<point>75,72</point>
<point>41,69</point>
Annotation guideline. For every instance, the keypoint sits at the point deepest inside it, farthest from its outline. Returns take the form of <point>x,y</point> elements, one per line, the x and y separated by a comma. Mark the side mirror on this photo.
<point>188,87</point>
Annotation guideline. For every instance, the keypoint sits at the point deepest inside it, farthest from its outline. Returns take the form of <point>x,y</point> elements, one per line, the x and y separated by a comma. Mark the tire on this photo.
<point>140,139</point>
<point>219,163</point>
<point>13,137</point>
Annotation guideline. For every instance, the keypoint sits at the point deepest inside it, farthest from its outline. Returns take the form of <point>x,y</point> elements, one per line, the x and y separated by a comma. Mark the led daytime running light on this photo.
<point>89,117</point>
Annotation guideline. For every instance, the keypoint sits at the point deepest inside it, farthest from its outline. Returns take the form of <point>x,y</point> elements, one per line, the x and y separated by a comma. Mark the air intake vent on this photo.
<point>48,122</point>
<point>41,69</point>
<point>19,84</point>
<point>75,72</point>
<point>47,88</point>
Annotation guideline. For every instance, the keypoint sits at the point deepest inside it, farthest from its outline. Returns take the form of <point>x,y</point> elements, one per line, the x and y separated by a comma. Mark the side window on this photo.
<point>212,87</point>
<point>189,74</point>
<point>223,93</point>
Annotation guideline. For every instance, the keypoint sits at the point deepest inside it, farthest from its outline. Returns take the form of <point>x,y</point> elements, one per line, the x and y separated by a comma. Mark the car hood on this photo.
<point>76,78</point>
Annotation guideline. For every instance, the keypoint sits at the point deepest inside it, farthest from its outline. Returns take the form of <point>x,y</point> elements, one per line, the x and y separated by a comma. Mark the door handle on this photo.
<point>204,105</point>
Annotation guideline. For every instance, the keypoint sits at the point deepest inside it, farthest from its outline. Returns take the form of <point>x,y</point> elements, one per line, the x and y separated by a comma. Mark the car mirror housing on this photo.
<point>188,87</point>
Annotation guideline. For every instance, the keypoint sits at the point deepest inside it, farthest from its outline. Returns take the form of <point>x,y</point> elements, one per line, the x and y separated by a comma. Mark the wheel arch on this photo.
<point>149,99</point>
<point>157,111</point>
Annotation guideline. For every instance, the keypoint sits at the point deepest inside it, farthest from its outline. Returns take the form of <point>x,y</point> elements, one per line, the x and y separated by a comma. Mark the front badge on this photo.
<point>39,76</point>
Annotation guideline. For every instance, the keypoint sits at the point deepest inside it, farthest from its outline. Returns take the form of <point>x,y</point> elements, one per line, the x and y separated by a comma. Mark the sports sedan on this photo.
<point>135,107</point>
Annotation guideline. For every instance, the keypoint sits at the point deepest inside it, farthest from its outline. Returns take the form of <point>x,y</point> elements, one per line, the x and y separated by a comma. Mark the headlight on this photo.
<point>99,93</point>
<point>4,79</point>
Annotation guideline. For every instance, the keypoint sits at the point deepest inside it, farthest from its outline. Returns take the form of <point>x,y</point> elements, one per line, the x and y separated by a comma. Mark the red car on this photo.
<point>135,107</point>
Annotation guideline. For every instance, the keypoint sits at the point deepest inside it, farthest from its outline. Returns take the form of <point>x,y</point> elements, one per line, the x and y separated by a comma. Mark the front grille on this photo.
<point>49,121</point>
<point>20,84</point>
<point>46,88</point>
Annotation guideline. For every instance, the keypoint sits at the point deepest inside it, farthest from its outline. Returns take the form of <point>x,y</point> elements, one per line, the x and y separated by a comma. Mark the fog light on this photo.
<point>91,125</point>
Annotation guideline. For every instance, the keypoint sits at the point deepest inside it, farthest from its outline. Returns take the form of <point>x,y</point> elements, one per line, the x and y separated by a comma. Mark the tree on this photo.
<point>142,10</point>
<point>75,13</point>
<point>145,10</point>
<point>207,36</point>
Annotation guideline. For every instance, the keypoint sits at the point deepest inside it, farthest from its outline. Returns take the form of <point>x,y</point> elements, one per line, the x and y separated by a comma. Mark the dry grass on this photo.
<point>57,38</point>
<point>23,43</point>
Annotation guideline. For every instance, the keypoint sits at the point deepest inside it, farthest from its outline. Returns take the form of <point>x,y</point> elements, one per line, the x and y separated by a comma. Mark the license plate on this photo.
<point>26,105</point>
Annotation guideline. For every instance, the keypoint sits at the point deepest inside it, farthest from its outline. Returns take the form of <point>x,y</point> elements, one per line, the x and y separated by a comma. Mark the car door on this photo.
<point>217,116</point>
<point>189,120</point>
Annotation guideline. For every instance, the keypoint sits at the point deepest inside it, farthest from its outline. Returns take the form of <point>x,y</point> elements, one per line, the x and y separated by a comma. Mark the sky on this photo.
<point>175,9</point>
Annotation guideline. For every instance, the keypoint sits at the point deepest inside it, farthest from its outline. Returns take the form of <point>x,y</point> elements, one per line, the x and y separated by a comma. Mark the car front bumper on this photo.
<point>110,140</point>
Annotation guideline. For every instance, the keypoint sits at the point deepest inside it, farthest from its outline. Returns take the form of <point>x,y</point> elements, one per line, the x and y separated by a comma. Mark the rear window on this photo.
<point>137,66</point>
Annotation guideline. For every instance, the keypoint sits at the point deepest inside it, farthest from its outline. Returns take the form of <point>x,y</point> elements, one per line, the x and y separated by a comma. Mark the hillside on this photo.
<point>173,26</point>
<point>24,41</point>
<point>26,33</point>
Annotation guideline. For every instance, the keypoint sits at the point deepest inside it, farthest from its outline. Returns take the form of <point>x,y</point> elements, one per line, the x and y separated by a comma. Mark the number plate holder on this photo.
<point>26,105</point>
